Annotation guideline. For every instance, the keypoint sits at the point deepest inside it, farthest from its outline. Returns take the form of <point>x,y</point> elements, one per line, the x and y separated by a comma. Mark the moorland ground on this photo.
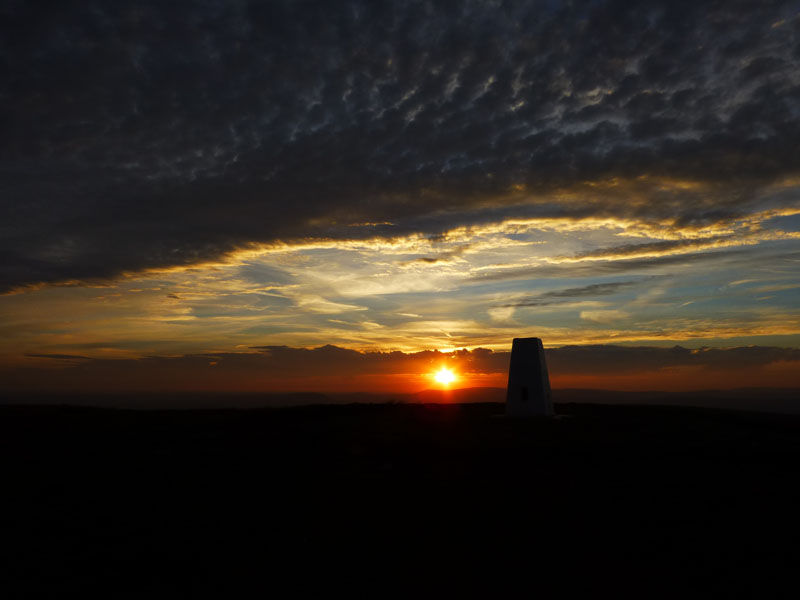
<point>380,497</point>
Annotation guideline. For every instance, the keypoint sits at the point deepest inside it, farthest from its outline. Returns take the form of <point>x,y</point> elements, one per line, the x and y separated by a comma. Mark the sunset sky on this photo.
<point>302,195</point>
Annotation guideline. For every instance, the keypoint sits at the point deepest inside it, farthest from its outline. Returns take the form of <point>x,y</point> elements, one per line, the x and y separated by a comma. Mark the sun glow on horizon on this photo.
<point>444,376</point>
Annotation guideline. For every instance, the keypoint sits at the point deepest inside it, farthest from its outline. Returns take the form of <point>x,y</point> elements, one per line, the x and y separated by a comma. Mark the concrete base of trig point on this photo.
<point>528,392</point>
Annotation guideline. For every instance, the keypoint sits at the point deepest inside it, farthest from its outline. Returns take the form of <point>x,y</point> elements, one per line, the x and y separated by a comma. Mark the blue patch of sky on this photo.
<point>787,223</point>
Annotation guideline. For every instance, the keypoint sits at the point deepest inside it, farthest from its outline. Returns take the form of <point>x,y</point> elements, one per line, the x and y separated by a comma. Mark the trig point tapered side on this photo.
<point>528,392</point>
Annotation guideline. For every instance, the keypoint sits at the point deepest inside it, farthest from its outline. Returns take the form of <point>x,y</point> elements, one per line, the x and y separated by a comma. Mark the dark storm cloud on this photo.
<point>230,371</point>
<point>147,134</point>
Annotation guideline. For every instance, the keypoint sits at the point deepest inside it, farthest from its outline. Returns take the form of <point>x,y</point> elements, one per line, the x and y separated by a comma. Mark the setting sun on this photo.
<point>445,376</point>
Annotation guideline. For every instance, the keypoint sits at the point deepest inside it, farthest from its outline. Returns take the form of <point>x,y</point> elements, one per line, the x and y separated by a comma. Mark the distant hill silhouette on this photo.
<point>750,399</point>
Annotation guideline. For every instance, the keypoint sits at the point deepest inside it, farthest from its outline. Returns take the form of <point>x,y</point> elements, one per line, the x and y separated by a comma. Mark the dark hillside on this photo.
<point>164,503</point>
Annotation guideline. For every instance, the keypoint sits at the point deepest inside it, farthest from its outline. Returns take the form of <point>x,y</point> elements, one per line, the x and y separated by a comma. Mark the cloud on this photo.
<point>274,366</point>
<point>441,257</point>
<point>59,356</point>
<point>317,304</point>
<point>609,267</point>
<point>627,359</point>
<point>501,313</point>
<point>588,291</point>
<point>604,316</point>
<point>152,135</point>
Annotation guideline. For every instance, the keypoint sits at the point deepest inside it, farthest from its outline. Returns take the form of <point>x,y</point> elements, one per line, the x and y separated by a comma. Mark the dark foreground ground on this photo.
<point>424,500</point>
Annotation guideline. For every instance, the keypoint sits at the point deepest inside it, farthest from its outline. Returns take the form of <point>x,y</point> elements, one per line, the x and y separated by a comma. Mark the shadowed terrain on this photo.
<point>385,497</point>
<point>775,400</point>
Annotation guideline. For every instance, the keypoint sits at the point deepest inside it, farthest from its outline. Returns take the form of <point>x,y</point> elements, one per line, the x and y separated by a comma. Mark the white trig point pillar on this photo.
<point>528,392</point>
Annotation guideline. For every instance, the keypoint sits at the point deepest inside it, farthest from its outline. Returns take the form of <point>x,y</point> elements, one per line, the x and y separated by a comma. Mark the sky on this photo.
<point>316,195</point>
